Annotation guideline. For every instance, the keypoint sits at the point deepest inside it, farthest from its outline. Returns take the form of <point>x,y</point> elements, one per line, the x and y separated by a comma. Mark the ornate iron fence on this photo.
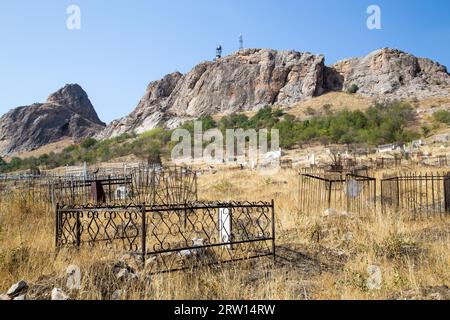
<point>172,237</point>
<point>345,192</point>
<point>417,194</point>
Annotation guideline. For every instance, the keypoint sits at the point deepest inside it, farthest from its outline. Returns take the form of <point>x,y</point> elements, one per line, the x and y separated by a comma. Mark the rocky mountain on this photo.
<point>252,78</point>
<point>68,113</point>
<point>247,80</point>
<point>390,73</point>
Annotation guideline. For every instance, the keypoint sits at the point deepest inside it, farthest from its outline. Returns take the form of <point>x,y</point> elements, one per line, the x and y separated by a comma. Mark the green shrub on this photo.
<point>88,143</point>
<point>353,89</point>
<point>381,123</point>
<point>442,116</point>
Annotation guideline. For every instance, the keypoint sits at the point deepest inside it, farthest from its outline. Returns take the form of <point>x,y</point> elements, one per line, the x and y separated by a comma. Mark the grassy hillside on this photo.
<point>309,123</point>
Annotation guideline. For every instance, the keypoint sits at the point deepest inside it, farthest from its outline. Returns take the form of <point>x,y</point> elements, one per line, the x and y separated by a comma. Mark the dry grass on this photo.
<point>318,257</point>
<point>56,147</point>
<point>336,100</point>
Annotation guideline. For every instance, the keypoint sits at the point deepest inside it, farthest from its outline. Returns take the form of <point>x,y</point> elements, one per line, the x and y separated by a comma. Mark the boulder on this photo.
<point>126,274</point>
<point>17,289</point>
<point>117,295</point>
<point>4,297</point>
<point>58,294</point>
<point>330,212</point>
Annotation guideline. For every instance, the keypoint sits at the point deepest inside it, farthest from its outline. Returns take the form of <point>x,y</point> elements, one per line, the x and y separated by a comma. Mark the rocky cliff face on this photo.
<point>390,73</point>
<point>243,81</point>
<point>252,78</point>
<point>68,113</point>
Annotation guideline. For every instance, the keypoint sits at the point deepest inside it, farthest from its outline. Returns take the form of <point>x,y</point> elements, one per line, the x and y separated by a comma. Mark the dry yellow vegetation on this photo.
<point>414,256</point>
<point>336,100</point>
<point>55,147</point>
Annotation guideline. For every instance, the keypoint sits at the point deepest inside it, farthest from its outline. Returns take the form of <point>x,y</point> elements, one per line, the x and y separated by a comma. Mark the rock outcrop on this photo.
<point>244,81</point>
<point>252,78</point>
<point>393,74</point>
<point>68,113</point>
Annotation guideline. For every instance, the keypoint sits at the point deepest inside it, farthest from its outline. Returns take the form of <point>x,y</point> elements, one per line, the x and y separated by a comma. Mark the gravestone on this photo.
<point>353,188</point>
<point>374,279</point>
<point>121,193</point>
<point>73,277</point>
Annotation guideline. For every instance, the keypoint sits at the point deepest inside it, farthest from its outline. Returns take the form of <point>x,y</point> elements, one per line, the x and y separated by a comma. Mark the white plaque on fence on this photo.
<point>225,225</point>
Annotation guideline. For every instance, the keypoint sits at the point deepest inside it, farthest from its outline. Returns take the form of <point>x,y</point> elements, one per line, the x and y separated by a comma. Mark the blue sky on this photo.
<point>123,45</point>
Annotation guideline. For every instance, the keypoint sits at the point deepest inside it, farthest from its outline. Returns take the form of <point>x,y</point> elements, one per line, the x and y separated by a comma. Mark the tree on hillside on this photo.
<point>353,89</point>
<point>3,164</point>
<point>148,150</point>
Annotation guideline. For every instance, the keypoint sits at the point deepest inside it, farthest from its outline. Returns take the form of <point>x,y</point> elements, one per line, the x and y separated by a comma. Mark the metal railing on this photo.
<point>172,237</point>
<point>143,184</point>
<point>417,194</point>
<point>345,192</point>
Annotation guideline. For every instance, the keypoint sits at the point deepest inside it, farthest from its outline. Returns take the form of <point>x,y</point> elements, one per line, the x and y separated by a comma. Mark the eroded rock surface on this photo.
<point>68,113</point>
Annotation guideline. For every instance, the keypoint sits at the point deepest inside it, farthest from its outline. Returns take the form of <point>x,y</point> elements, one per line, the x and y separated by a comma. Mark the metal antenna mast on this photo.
<point>219,52</point>
<point>241,42</point>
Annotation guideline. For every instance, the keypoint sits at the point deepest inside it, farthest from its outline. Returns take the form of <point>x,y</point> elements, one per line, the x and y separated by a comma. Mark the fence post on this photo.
<point>185,215</point>
<point>273,230</point>
<point>143,234</point>
<point>374,193</point>
<point>196,185</point>
<point>447,192</point>
<point>346,193</point>
<point>398,192</point>
<point>382,204</point>
<point>78,230</point>
<point>57,226</point>
<point>329,194</point>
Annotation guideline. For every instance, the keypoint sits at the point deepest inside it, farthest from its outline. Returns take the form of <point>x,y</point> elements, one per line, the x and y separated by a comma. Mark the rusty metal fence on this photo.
<point>172,237</point>
<point>341,192</point>
<point>420,195</point>
<point>143,184</point>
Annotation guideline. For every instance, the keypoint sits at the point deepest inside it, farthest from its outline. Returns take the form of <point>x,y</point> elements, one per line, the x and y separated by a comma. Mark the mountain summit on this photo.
<point>68,113</point>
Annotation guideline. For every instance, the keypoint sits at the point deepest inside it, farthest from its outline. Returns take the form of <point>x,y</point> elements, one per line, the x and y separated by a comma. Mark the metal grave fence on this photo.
<point>143,184</point>
<point>341,192</point>
<point>172,237</point>
<point>420,195</point>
